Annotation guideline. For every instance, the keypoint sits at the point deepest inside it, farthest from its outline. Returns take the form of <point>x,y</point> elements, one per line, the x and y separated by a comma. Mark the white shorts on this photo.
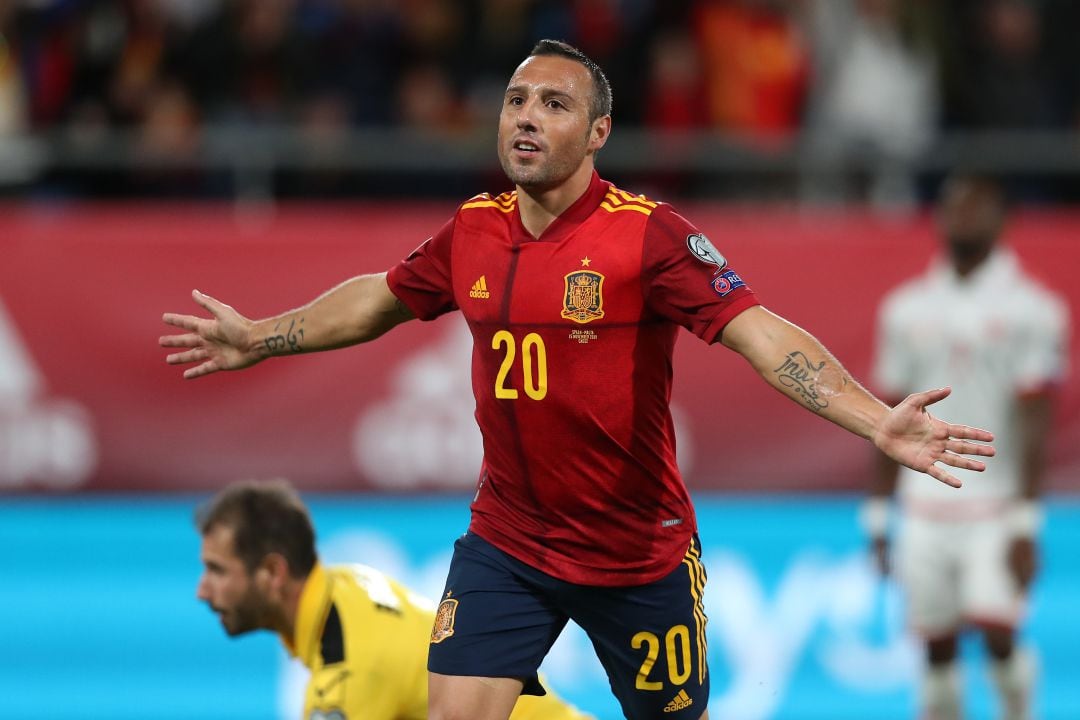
<point>957,573</point>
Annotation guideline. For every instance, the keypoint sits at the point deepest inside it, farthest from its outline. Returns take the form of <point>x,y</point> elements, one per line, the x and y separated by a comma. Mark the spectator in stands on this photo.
<point>13,111</point>
<point>327,66</point>
<point>755,65</point>
<point>874,104</point>
<point>1006,80</point>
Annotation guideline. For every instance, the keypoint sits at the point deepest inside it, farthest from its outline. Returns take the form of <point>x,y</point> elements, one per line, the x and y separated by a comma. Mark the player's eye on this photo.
<point>555,105</point>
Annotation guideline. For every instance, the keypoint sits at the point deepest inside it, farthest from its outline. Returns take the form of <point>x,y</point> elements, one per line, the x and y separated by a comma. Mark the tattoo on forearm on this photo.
<point>813,383</point>
<point>402,309</point>
<point>293,338</point>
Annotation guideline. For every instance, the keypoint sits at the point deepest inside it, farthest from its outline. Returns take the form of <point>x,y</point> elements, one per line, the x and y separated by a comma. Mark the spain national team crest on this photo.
<point>584,298</point>
<point>444,621</point>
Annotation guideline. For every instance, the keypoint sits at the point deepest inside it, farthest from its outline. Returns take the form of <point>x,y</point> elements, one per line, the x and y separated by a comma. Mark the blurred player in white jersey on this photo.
<point>965,559</point>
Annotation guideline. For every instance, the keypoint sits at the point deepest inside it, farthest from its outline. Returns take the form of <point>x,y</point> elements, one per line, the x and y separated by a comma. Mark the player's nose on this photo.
<point>202,589</point>
<point>526,116</point>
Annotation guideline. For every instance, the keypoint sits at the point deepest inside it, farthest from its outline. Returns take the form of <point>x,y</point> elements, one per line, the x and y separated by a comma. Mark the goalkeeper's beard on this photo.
<point>247,615</point>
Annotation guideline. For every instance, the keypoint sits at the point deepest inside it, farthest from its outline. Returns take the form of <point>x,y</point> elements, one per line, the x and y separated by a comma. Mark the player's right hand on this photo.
<point>221,342</point>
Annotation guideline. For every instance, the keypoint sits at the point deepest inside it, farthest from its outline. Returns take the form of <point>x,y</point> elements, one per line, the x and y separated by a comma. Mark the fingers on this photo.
<point>955,455</point>
<point>970,433</point>
<point>194,338</point>
<point>959,461</point>
<point>198,371</point>
<point>196,355</point>
<point>189,340</point>
<point>963,447</point>
<point>960,441</point>
<point>190,322</point>
<point>928,397</point>
<point>185,322</point>
<point>214,307</point>
<point>944,476</point>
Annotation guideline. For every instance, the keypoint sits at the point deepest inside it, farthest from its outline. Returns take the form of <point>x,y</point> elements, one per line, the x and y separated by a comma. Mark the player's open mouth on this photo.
<point>524,147</point>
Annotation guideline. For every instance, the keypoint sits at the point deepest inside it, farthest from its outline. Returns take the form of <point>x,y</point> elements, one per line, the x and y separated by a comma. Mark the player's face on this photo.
<point>970,217</point>
<point>544,129</point>
<point>227,586</point>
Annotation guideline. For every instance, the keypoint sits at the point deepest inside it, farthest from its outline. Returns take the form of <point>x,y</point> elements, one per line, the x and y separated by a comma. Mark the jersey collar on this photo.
<point>570,218</point>
<point>310,615</point>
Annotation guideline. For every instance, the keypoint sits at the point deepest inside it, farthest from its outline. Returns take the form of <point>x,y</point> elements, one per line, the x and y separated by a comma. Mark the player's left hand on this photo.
<point>913,437</point>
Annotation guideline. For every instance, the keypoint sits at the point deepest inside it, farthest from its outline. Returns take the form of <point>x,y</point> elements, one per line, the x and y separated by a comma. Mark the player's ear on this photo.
<point>275,570</point>
<point>599,132</point>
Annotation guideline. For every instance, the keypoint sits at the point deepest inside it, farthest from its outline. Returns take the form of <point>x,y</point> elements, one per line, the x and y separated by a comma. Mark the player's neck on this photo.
<point>966,265</point>
<point>285,622</point>
<point>539,207</point>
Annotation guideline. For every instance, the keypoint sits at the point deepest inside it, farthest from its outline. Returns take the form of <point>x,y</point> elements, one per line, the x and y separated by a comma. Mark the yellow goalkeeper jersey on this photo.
<point>364,637</point>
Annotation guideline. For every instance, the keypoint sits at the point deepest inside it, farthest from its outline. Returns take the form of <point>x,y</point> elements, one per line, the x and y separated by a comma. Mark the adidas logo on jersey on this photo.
<point>479,289</point>
<point>680,701</point>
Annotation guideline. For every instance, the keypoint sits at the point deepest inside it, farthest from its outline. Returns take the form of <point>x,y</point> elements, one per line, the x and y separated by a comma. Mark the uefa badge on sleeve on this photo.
<point>726,282</point>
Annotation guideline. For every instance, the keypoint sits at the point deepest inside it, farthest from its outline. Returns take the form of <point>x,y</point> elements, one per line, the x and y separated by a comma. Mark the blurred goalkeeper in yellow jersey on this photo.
<point>363,636</point>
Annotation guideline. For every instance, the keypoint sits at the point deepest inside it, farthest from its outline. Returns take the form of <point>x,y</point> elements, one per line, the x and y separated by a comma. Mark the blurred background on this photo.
<point>263,150</point>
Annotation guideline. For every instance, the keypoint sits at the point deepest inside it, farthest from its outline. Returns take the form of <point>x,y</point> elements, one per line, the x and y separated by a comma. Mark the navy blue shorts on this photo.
<point>499,617</point>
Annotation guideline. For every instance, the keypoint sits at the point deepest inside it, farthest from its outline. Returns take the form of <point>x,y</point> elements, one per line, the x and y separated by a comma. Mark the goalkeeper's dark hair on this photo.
<point>266,516</point>
<point>601,99</point>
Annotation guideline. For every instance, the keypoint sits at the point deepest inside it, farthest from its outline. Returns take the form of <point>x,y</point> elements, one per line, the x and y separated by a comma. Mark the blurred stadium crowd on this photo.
<point>836,99</point>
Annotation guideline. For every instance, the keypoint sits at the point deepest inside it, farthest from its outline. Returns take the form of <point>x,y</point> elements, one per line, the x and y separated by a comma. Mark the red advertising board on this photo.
<point>88,403</point>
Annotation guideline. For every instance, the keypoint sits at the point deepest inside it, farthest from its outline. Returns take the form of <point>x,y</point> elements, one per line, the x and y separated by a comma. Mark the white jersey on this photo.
<point>992,337</point>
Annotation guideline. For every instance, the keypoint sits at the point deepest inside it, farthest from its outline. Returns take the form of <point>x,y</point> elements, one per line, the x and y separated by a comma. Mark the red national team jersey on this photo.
<point>573,338</point>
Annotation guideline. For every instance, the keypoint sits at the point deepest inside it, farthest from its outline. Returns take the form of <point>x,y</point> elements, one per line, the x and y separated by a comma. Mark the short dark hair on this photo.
<point>982,182</point>
<point>601,100</point>
<point>266,516</point>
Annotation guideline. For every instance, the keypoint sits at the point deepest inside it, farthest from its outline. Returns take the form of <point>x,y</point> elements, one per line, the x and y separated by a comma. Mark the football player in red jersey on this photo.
<point>574,290</point>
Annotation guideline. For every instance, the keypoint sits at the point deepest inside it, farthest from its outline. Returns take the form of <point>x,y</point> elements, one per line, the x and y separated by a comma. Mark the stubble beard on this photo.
<point>237,622</point>
<point>550,172</point>
<point>536,177</point>
<point>246,617</point>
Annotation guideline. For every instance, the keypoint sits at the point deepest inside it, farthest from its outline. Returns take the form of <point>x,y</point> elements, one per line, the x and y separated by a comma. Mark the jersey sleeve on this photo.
<point>1042,344</point>
<point>423,279</point>
<point>687,280</point>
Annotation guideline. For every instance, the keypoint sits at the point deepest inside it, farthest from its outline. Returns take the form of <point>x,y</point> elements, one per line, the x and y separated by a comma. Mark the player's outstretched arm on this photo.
<point>796,364</point>
<point>356,311</point>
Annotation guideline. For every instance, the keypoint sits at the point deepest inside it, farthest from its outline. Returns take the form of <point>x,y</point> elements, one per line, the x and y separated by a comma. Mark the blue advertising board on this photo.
<point>98,615</point>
